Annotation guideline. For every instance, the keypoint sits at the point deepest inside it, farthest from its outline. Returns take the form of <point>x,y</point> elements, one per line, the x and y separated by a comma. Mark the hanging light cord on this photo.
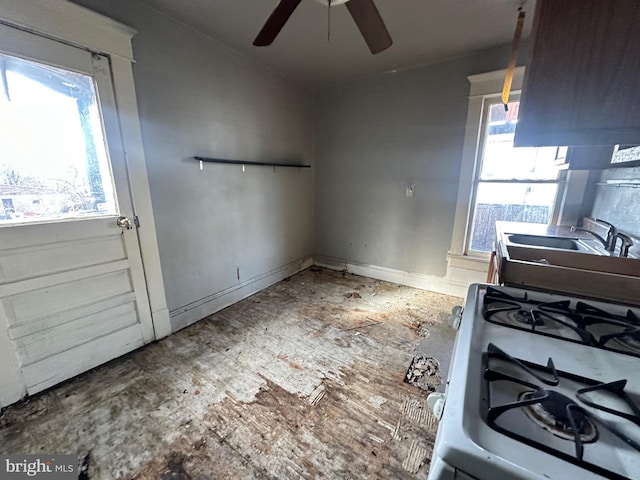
<point>329,22</point>
<point>508,79</point>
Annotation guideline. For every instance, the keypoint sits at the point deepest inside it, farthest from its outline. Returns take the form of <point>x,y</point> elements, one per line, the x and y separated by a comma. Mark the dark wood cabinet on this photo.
<point>582,84</point>
<point>589,158</point>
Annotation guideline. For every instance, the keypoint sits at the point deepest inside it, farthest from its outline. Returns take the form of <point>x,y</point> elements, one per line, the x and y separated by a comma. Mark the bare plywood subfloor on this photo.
<point>301,380</point>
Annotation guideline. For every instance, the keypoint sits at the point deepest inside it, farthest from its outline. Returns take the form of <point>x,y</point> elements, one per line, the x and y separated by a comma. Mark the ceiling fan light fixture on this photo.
<point>333,2</point>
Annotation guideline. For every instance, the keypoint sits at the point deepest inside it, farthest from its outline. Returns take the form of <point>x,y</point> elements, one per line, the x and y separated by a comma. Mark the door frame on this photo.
<point>83,28</point>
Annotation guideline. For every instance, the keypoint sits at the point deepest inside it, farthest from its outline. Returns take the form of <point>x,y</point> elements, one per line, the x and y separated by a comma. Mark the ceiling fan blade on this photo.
<point>275,22</point>
<point>370,24</point>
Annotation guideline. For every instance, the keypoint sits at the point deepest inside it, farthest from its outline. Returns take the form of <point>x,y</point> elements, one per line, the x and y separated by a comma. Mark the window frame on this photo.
<point>46,53</point>
<point>488,101</point>
<point>482,87</point>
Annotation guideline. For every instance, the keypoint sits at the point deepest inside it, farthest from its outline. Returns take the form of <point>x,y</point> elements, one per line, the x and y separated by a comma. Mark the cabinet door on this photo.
<point>590,157</point>
<point>581,86</point>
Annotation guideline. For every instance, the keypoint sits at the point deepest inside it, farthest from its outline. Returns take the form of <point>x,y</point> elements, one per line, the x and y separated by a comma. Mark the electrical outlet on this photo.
<point>410,191</point>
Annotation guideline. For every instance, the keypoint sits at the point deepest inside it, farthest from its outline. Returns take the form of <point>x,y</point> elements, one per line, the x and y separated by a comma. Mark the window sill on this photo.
<point>478,263</point>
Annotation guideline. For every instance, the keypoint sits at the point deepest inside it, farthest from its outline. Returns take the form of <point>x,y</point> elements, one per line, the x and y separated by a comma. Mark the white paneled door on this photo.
<point>72,286</point>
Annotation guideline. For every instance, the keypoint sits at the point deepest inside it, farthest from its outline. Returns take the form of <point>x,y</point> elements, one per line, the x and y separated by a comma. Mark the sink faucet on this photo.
<point>612,235</point>
<point>605,243</point>
<point>626,244</point>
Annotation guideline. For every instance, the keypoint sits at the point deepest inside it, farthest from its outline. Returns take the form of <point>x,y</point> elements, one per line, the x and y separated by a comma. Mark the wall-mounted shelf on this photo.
<point>242,162</point>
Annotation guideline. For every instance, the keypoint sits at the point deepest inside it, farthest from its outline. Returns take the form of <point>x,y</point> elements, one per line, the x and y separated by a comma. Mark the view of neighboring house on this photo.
<point>41,106</point>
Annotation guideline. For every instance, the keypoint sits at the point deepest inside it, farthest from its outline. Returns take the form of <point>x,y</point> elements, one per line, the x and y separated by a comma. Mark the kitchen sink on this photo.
<point>560,243</point>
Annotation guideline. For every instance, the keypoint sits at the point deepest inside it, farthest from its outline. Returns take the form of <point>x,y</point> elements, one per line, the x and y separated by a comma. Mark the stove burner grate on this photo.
<point>585,323</point>
<point>561,416</point>
<point>627,342</point>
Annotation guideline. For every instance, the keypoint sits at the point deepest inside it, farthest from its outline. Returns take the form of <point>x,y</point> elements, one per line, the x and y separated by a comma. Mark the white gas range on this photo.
<point>541,386</point>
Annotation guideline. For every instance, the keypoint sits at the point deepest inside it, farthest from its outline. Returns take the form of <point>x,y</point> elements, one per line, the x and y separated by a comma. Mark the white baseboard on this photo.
<point>202,308</point>
<point>432,283</point>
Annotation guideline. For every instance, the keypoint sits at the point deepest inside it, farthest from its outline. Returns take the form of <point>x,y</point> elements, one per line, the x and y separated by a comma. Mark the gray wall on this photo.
<point>197,97</point>
<point>619,205</point>
<point>376,136</point>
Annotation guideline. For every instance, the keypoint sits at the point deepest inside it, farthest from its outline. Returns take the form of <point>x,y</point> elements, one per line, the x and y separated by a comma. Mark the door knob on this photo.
<point>124,223</point>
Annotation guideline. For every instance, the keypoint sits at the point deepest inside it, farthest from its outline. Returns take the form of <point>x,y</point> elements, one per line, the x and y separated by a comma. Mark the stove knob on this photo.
<point>435,402</point>
<point>456,317</point>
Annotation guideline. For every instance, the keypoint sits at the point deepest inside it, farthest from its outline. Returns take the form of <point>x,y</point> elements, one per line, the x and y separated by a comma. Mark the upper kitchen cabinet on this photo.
<point>582,85</point>
<point>589,157</point>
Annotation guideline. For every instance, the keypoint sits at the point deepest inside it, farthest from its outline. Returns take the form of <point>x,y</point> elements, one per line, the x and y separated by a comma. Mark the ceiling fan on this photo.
<point>364,13</point>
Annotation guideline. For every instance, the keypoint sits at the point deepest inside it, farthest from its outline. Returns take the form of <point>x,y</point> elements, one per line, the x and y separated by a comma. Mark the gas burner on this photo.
<point>522,316</point>
<point>582,323</point>
<point>551,413</point>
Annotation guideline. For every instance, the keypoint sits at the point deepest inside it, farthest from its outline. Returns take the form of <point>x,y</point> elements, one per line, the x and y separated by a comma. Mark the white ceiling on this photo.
<point>423,31</point>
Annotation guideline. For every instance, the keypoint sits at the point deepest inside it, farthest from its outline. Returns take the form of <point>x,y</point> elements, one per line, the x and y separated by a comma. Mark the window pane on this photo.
<point>504,162</point>
<point>53,158</point>
<point>520,202</point>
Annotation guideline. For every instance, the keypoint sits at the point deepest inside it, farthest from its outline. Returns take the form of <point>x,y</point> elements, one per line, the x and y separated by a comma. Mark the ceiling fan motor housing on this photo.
<point>333,2</point>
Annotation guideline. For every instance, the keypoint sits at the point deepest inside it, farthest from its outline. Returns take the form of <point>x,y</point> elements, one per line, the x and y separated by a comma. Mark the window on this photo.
<point>510,184</point>
<point>53,157</point>
<point>497,181</point>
